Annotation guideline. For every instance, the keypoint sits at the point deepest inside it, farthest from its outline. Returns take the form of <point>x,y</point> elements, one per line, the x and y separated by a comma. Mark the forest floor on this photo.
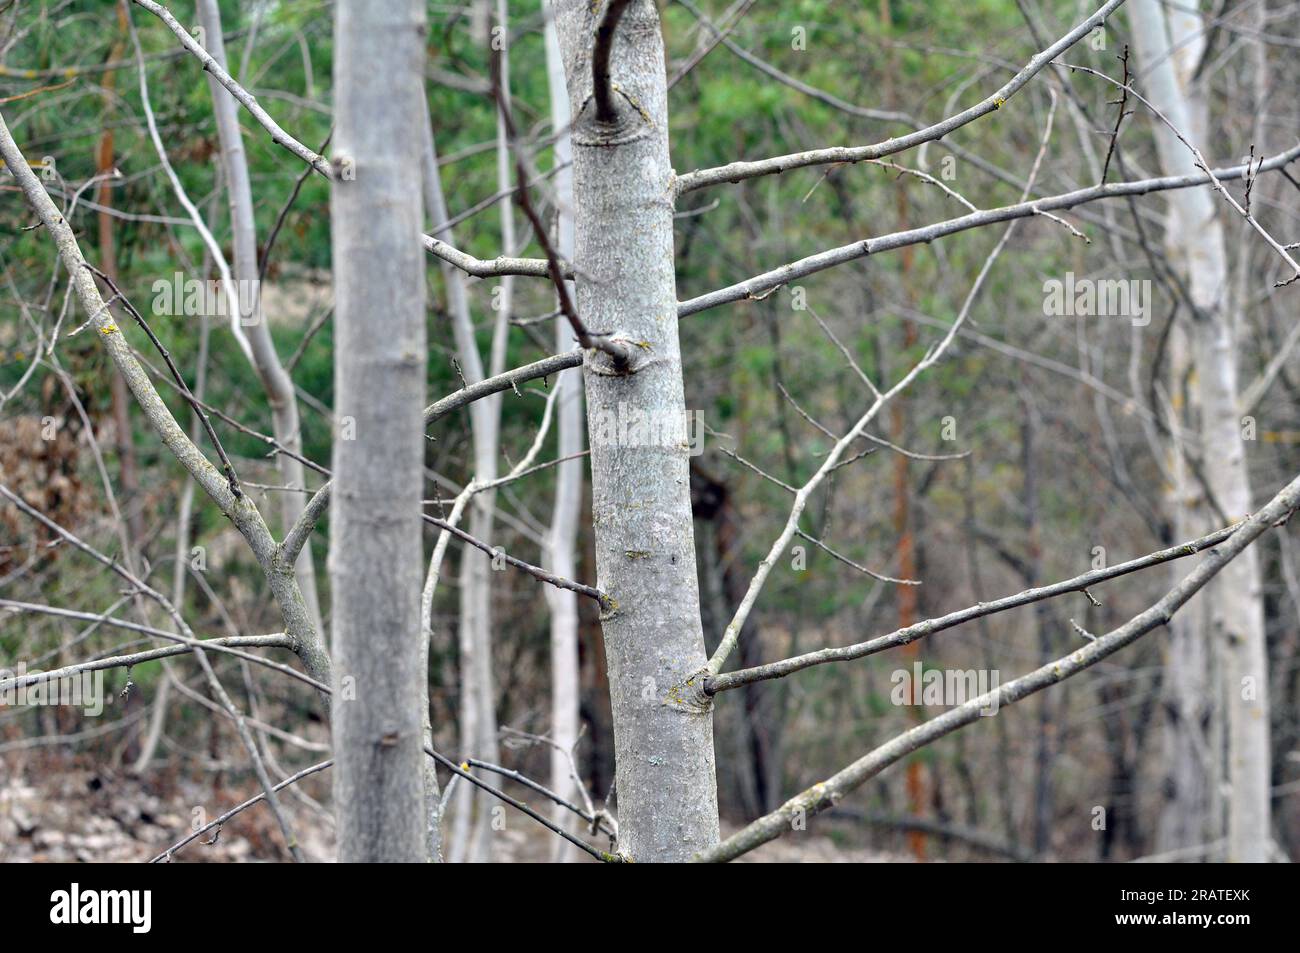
<point>68,810</point>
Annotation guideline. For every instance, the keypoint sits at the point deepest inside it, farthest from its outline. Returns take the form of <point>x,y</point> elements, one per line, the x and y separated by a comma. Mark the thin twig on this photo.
<point>619,353</point>
<point>284,212</point>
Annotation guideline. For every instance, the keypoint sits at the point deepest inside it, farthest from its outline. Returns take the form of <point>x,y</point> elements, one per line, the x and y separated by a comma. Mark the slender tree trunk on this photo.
<point>562,540</point>
<point>645,553</point>
<point>277,384</point>
<point>477,713</point>
<point>471,835</point>
<point>907,595</point>
<point>380,359</point>
<point>1190,814</point>
<point>435,213</point>
<point>1237,617</point>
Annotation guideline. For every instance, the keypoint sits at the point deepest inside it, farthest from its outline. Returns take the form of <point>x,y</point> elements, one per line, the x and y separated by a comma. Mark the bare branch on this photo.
<point>460,772</point>
<point>739,171</point>
<point>246,99</point>
<point>911,633</point>
<point>619,352</point>
<point>849,562</point>
<point>496,267</point>
<point>606,604</point>
<point>166,855</point>
<point>276,641</point>
<point>436,411</point>
<point>759,284</point>
<point>828,793</point>
<point>1251,170</point>
<point>196,648</point>
<point>155,410</point>
<point>184,389</point>
<point>593,819</point>
<point>732,633</point>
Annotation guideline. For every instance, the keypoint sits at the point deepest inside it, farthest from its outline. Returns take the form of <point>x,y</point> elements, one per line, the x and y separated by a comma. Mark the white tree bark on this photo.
<point>1190,810</point>
<point>471,834</point>
<point>435,213</point>
<point>1192,814</point>
<point>278,386</point>
<point>645,554</point>
<point>380,359</point>
<point>1235,596</point>
<point>477,714</point>
<point>561,544</point>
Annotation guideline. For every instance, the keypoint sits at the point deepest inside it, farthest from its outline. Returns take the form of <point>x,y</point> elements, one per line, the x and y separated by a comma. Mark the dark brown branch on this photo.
<point>284,212</point>
<point>601,84</point>
<point>1119,118</point>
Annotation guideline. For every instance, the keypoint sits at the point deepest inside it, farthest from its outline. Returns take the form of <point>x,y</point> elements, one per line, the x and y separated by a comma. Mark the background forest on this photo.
<point>1035,450</point>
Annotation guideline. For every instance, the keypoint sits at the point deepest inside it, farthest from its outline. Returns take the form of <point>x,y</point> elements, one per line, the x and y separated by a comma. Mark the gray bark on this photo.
<point>380,358</point>
<point>1236,606</point>
<point>645,554</point>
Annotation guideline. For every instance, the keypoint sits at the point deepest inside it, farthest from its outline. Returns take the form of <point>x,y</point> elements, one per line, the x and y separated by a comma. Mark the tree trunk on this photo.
<point>477,712</point>
<point>380,359</point>
<point>1235,596</point>
<point>563,537</point>
<point>1190,814</point>
<point>471,836</point>
<point>645,553</point>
